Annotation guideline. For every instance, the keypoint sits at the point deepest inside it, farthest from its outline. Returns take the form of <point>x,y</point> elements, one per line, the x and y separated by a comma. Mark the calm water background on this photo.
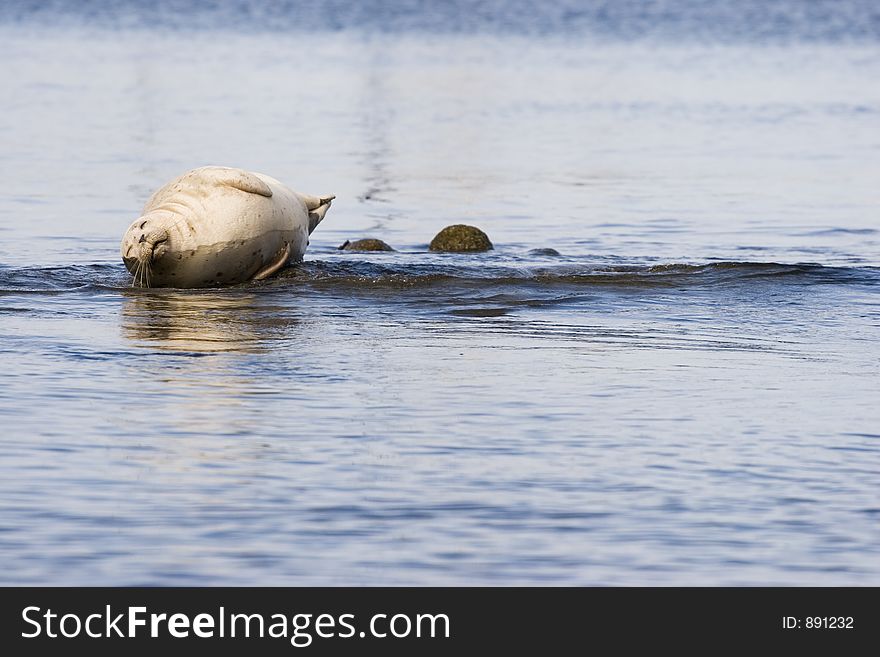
<point>688,394</point>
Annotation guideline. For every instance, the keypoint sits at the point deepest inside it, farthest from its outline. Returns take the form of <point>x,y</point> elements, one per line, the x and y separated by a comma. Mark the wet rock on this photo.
<point>544,252</point>
<point>368,244</point>
<point>460,238</point>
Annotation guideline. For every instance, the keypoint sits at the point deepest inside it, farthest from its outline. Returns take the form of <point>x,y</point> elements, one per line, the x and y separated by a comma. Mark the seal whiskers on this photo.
<point>137,274</point>
<point>142,272</point>
<point>146,272</point>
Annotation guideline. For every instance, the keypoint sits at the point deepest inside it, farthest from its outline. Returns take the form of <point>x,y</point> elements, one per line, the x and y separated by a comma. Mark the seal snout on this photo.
<point>150,246</point>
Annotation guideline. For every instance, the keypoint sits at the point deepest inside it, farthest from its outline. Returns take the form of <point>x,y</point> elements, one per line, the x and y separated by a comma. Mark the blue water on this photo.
<point>686,394</point>
<point>707,20</point>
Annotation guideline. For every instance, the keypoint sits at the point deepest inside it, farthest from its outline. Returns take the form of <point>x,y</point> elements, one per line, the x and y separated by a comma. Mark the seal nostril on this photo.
<point>142,239</point>
<point>143,223</point>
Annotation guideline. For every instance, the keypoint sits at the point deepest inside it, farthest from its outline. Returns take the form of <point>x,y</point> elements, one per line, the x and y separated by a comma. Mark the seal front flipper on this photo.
<point>317,207</point>
<point>194,182</point>
<point>231,177</point>
<point>275,265</point>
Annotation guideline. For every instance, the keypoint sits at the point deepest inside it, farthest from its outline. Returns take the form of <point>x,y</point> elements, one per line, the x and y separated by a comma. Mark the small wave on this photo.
<point>368,274</point>
<point>58,280</point>
<point>825,232</point>
<point>471,272</point>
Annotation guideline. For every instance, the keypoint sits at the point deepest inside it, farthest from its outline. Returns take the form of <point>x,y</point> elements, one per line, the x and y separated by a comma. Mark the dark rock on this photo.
<point>460,238</point>
<point>368,244</point>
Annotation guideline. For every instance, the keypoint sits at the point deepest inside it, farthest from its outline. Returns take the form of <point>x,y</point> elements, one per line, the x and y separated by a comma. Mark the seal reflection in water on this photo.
<point>218,226</point>
<point>214,391</point>
<point>204,321</point>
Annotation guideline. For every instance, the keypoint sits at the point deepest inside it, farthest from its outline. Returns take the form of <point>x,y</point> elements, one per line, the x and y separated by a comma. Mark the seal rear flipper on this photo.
<point>275,265</point>
<point>317,207</point>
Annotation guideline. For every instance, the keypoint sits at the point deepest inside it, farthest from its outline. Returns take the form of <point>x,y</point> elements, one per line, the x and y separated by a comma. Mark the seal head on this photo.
<point>144,245</point>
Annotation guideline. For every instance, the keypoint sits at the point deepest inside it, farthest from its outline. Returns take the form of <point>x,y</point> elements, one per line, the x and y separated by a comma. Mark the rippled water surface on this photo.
<point>684,392</point>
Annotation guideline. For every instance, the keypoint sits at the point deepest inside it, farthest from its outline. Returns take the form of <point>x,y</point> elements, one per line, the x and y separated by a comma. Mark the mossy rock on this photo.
<point>368,244</point>
<point>460,238</point>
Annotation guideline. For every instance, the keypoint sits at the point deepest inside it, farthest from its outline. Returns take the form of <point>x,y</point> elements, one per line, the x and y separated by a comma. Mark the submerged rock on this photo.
<point>544,252</point>
<point>368,244</point>
<point>460,238</point>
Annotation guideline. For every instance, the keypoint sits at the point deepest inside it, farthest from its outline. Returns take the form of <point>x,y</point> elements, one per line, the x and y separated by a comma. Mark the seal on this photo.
<point>218,226</point>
